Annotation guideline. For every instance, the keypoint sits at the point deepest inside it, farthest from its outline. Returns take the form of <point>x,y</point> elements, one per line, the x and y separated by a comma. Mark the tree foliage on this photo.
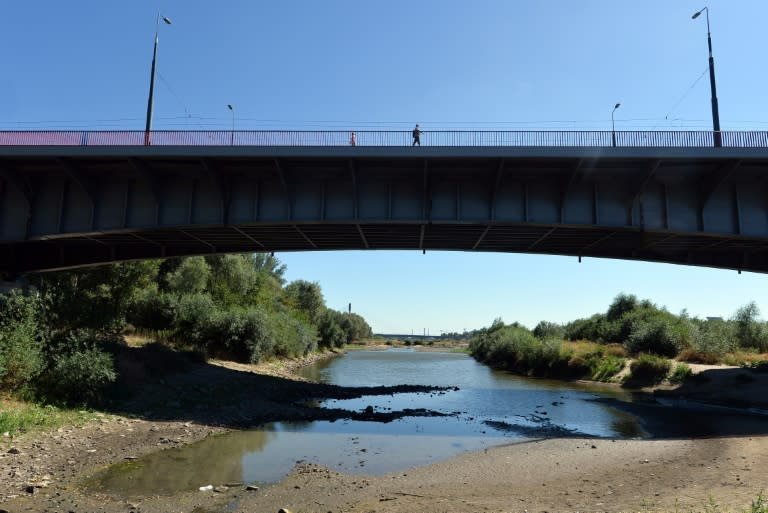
<point>62,337</point>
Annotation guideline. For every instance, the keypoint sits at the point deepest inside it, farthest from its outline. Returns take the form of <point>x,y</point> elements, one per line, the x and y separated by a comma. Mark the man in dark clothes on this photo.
<point>416,135</point>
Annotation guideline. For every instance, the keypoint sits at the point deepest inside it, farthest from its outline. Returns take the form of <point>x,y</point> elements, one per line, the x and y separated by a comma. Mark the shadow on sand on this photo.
<point>160,384</point>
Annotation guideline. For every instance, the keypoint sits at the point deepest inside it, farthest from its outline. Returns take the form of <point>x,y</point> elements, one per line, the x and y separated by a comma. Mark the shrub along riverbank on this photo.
<point>62,340</point>
<point>597,347</point>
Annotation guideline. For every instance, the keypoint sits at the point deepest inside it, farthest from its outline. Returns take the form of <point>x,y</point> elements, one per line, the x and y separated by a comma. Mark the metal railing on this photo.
<point>452,138</point>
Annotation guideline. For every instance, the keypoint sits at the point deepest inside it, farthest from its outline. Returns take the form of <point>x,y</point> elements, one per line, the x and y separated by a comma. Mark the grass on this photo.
<point>744,358</point>
<point>20,417</point>
<point>648,369</point>
<point>759,505</point>
<point>681,373</point>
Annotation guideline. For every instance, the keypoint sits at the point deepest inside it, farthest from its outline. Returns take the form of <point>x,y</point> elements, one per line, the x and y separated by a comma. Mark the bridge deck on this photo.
<point>68,203</point>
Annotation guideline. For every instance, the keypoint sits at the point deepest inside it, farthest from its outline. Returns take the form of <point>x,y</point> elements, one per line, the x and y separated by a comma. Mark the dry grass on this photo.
<point>742,358</point>
<point>693,356</point>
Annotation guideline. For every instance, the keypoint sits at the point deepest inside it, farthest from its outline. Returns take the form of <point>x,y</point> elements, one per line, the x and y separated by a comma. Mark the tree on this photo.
<point>307,298</point>
<point>233,279</point>
<point>621,304</point>
<point>190,277</point>
<point>750,333</point>
<point>96,297</point>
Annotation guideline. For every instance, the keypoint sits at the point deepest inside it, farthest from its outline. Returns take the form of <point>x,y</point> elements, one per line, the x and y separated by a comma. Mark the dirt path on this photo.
<point>675,474</point>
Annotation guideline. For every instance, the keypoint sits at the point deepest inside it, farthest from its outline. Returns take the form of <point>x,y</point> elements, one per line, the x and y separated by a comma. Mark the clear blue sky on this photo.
<point>442,63</point>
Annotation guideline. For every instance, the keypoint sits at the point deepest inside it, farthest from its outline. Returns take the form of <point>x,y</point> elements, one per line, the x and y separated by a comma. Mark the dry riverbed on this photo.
<point>44,472</point>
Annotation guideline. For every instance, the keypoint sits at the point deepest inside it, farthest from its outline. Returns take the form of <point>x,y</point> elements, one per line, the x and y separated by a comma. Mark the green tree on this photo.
<point>307,298</point>
<point>233,279</point>
<point>190,276</point>
<point>749,331</point>
<point>330,331</point>
<point>97,297</point>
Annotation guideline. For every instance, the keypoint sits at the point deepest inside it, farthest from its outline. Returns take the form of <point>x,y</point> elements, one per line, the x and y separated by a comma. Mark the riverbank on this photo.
<point>675,473</point>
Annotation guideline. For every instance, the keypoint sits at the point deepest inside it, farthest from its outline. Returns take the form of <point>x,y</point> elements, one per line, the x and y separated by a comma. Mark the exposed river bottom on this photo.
<point>486,441</point>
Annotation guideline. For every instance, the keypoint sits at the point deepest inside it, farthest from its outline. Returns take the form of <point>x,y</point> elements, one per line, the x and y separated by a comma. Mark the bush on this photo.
<point>21,341</point>
<point>546,330</point>
<point>749,331</point>
<point>681,373</point>
<point>714,337</point>
<point>605,367</point>
<point>153,310</point>
<point>691,355</point>
<point>194,316</point>
<point>294,337</point>
<point>662,334</point>
<point>80,377</point>
<point>648,369</point>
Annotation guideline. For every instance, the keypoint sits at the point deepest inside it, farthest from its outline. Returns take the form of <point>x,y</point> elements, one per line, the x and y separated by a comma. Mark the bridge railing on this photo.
<point>446,138</point>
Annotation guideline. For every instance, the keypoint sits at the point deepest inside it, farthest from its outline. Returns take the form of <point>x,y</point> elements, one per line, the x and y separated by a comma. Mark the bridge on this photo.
<point>79,198</point>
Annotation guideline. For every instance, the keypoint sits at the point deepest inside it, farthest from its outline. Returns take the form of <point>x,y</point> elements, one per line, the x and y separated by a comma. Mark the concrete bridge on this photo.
<point>81,198</point>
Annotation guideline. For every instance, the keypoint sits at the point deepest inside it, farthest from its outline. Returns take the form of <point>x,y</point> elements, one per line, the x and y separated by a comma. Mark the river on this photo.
<point>488,408</point>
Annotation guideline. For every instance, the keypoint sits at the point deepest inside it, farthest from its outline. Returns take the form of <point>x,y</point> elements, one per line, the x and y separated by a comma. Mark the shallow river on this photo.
<point>489,408</point>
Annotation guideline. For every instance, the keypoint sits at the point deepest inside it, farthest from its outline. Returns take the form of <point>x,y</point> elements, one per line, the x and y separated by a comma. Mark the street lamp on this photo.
<point>147,140</point>
<point>715,110</point>
<point>613,125</point>
<point>232,137</point>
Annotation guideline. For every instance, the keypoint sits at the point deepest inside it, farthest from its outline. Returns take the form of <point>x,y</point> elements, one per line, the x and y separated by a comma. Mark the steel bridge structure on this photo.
<point>75,198</point>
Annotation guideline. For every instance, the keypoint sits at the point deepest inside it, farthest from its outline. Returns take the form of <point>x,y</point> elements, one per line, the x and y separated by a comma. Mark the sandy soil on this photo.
<point>42,472</point>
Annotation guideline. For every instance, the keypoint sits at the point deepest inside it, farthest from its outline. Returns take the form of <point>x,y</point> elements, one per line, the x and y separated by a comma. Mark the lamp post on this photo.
<point>232,136</point>
<point>150,103</point>
<point>715,110</point>
<point>613,125</point>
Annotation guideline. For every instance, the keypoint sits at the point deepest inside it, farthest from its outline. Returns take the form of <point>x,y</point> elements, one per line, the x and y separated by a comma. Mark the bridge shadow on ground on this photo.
<point>159,384</point>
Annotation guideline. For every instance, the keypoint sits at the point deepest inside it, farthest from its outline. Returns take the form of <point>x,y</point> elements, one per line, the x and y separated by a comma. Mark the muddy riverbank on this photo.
<point>44,472</point>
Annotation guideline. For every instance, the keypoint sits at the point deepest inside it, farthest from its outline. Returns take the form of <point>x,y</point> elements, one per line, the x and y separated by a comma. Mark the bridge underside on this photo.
<point>587,241</point>
<point>75,207</point>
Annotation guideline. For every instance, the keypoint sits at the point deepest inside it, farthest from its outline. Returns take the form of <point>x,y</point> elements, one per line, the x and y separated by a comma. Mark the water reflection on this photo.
<point>488,408</point>
<point>216,460</point>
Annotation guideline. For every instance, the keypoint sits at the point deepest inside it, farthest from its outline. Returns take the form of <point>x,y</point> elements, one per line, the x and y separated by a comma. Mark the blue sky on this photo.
<point>497,64</point>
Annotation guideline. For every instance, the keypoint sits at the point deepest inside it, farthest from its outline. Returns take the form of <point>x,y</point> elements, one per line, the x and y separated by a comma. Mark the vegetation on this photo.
<point>681,373</point>
<point>517,349</point>
<point>17,416</point>
<point>596,347</point>
<point>63,341</point>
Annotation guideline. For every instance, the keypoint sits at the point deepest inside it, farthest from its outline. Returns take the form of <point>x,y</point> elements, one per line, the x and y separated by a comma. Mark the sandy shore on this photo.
<point>674,473</point>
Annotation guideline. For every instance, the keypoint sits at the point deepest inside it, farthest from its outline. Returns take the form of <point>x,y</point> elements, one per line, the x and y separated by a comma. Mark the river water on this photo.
<point>488,408</point>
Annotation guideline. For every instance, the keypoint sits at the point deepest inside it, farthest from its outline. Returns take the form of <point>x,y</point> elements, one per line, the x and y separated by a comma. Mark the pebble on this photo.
<point>252,488</point>
<point>206,488</point>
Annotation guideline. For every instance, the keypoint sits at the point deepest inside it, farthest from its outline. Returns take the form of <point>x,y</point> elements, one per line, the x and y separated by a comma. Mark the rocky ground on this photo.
<point>43,472</point>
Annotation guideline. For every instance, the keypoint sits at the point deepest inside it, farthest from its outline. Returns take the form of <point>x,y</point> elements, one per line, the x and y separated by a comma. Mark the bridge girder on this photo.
<point>706,209</point>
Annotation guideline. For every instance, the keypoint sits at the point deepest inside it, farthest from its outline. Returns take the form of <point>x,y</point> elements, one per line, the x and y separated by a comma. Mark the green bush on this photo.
<point>649,369</point>
<point>546,330</point>
<point>194,315</point>
<point>81,376</point>
<point>749,331</point>
<point>714,337</point>
<point>681,373</point>
<point>21,340</point>
<point>605,367</point>
<point>661,334</point>
<point>330,331</point>
<point>584,329</point>
<point>294,337</point>
<point>153,310</point>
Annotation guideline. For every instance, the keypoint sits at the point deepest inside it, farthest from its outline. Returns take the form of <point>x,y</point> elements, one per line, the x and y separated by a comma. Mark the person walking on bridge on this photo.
<point>416,136</point>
